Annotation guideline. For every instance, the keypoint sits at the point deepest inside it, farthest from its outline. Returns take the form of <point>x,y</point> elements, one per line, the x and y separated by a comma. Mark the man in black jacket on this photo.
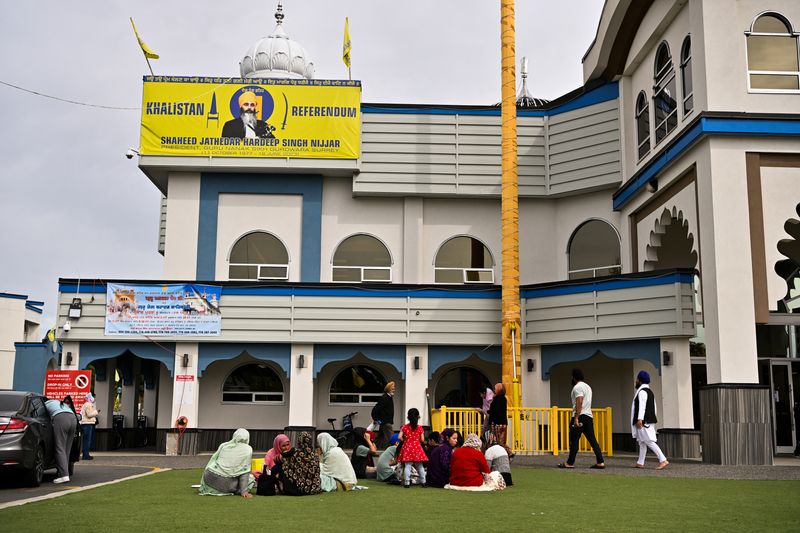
<point>383,414</point>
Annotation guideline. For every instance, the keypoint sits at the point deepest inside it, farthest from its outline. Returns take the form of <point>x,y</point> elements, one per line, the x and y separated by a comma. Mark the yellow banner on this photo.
<point>225,117</point>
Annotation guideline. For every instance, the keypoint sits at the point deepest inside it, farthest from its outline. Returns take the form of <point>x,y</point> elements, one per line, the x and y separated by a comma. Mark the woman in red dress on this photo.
<point>411,453</point>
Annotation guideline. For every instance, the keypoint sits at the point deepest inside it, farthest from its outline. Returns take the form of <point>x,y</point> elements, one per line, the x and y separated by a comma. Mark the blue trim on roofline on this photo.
<point>13,296</point>
<point>32,308</point>
<point>705,125</point>
<point>623,281</point>
<point>555,354</point>
<point>608,285</point>
<point>35,302</point>
<point>29,344</point>
<point>604,93</point>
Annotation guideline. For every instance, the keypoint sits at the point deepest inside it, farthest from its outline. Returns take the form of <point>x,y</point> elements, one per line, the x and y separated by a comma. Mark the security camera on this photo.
<point>67,326</point>
<point>131,152</point>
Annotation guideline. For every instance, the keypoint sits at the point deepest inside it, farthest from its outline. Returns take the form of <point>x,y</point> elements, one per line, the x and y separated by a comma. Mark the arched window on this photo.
<point>642,125</point>
<point>253,383</point>
<point>594,251</point>
<point>686,75</point>
<point>361,258</point>
<point>463,260</point>
<point>357,384</point>
<point>772,54</point>
<point>461,387</point>
<point>665,107</point>
<point>258,256</point>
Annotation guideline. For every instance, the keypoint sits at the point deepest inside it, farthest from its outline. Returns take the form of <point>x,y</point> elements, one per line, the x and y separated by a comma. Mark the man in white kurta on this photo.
<point>643,421</point>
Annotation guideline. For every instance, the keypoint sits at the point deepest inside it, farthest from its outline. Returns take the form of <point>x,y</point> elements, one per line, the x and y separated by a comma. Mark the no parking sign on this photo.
<point>76,383</point>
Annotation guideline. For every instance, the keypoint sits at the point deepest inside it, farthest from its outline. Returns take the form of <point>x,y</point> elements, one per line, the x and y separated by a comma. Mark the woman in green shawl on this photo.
<point>228,470</point>
<point>335,468</point>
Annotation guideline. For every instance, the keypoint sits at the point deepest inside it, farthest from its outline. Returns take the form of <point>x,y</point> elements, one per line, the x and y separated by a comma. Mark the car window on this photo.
<point>10,402</point>
<point>39,410</point>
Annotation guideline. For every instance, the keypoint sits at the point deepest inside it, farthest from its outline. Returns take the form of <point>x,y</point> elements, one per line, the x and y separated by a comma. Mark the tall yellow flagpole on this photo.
<point>510,207</point>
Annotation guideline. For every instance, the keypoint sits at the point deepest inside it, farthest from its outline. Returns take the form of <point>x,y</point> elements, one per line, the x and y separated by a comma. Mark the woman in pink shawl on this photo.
<point>279,445</point>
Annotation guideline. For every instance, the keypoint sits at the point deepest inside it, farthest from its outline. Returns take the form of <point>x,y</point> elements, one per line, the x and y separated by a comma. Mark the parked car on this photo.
<point>26,437</point>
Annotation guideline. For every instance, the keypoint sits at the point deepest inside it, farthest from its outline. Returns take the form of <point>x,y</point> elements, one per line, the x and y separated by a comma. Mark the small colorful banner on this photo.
<point>75,383</point>
<point>242,117</point>
<point>163,310</point>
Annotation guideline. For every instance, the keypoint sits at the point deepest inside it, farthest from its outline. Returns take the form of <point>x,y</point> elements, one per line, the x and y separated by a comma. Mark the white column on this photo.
<point>301,386</point>
<point>74,348</point>
<point>416,384</point>
<point>676,386</point>
<point>412,256</point>
<point>183,209</point>
<point>185,391</point>
<point>535,390</point>
<point>727,274</point>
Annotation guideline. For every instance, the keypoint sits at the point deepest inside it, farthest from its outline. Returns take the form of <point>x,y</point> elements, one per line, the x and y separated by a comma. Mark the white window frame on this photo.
<point>254,401</point>
<point>361,275</point>
<point>259,277</point>
<point>594,270</point>
<point>636,114</point>
<point>787,73</point>
<point>464,272</point>
<point>367,398</point>
<point>662,79</point>
<point>683,64</point>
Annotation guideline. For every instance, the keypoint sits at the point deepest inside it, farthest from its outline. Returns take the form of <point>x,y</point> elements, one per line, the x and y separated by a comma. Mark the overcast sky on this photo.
<point>74,206</point>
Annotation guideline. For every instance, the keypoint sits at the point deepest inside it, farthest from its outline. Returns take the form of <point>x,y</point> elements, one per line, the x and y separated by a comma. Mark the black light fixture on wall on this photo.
<point>301,361</point>
<point>186,360</point>
<point>416,362</point>
<point>666,358</point>
<point>531,365</point>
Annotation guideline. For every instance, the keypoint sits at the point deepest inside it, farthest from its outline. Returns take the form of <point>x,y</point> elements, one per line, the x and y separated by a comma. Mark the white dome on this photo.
<point>277,56</point>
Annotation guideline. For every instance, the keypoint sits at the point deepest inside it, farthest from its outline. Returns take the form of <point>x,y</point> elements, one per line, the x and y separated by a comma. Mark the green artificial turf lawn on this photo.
<point>539,500</point>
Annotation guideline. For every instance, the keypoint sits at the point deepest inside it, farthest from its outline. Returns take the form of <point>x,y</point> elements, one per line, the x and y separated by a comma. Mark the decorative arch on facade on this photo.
<point>789,268</point>
<point>671,243</point>
<point>258,255</point>
<point>593,250</point>
<point>773,64</point>
<point>253,382</point>
<point>460,385</point>
<point>360,258</point>
<point>463,259</point>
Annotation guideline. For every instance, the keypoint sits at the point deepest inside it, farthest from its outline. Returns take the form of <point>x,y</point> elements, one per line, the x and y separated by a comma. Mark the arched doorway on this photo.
<point>461,386</point>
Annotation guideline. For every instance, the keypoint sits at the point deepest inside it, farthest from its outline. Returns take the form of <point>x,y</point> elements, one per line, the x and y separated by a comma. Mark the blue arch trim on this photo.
<point>439,356</point>
<point>208,353</point>
<point>163,352</point>
<point>30,364</point>
<point>309,187</point>
<point>394,355</point>
<point>647,349</point>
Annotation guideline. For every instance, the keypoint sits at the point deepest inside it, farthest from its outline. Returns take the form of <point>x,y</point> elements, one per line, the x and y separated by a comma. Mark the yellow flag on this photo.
<point>148,52</point>
<point>346,47</point>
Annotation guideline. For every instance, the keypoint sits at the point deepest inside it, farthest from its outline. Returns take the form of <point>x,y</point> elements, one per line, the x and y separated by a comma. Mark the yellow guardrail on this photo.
<point>530,429</point>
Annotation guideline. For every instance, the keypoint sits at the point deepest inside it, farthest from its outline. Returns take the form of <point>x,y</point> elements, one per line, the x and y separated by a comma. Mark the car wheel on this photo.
<point>33,477</point>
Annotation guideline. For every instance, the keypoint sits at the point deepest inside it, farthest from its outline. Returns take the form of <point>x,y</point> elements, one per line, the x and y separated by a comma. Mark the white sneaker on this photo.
<point>64,479</point>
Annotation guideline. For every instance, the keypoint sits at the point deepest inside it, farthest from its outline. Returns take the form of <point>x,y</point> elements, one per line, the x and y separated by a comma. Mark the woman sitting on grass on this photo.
<point>228,470</point>
<point>469,471</point>
<point>336,472</point>
<point>299,475</point>
<point>439,459</point>
<point>363,447</point>
<point>280,444</point>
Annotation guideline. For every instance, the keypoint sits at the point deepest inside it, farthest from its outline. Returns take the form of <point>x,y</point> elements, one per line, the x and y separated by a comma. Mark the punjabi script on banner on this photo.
<point>163,310</point>
<point>237,117</point>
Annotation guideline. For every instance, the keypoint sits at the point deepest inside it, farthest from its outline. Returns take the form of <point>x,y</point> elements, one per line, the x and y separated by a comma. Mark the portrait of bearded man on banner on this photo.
<point>247,125</point>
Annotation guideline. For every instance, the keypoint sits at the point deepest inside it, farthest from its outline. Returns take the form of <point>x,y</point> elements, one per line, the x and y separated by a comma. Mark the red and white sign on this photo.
<point>184,377</point>
<point>76,383</point>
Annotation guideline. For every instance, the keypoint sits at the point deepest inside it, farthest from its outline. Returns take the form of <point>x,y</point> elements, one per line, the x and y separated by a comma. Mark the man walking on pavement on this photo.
<point>643,421</point>
<point>582,422</point>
